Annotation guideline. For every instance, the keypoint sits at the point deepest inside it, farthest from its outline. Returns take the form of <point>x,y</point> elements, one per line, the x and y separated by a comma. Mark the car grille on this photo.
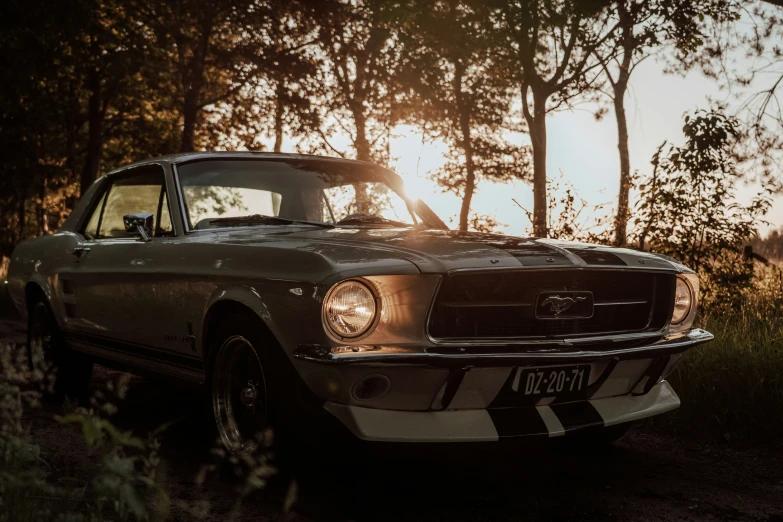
<point>502,304</point>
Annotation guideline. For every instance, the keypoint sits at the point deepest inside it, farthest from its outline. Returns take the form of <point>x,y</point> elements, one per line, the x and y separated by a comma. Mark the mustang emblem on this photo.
<point>558,305</point>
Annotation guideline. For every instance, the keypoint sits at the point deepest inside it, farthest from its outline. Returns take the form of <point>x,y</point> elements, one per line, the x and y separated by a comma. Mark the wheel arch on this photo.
<point>231,302</point>
<point>34,290</point>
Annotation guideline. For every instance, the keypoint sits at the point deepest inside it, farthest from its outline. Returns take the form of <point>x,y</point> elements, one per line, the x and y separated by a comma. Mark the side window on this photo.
<point>141,191</point>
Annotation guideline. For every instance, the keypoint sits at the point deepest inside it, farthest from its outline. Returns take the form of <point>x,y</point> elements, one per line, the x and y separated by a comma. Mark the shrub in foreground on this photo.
<point>121,479</point>
<point>732,388</point>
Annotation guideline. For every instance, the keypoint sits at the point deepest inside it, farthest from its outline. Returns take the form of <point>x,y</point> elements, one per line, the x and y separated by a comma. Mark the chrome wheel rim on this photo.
<point>239,396</point>
<point>40,340</point>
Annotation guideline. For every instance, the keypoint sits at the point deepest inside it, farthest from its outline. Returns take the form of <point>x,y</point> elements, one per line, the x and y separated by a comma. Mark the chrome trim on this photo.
<point>181,200</point>
<point>524,268</point>
<point>108,178</point>
<point>619,303</point>
<point>480,304</point>
<point>670,344</point>
<point>375,320</point>
<point>693,304</point>
<point>491,304</point>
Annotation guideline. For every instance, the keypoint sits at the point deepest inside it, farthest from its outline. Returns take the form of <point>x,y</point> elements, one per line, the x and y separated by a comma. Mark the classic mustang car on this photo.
<point>277,279</point>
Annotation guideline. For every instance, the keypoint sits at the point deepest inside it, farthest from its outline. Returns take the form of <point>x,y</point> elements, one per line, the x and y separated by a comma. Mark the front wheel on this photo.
<point>46,350</point>
<point>240,395</point>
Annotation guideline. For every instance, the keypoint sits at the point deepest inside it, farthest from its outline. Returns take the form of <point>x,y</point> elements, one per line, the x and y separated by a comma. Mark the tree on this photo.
<point>687,206</point>
<point>277,102</point>
<point>551,49</point>
<point>356,90</point>
<point>111,51</point>
<point>643,27</point>
<point>743,55</point>
<point>40,115</point>
<point>460,94</point>
<point>216,49</point>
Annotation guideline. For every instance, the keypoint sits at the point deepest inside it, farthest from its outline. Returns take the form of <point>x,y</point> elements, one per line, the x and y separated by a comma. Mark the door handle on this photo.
<point>79,250</point>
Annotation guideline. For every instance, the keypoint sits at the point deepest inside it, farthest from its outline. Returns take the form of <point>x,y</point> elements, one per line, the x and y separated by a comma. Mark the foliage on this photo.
<point>646,27</point>
<point>122,485</point>
<point>355,91</point>
<point>744,57</point>
<point>460,93</point>
<point>550,50</point>
<point>687,207</point>
<point>770,247</point>
<point>731,388</point>
<point>122,476</point>
<point>570,217</point>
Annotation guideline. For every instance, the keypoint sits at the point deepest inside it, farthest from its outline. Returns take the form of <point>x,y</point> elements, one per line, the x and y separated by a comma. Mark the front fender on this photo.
<point>289,309</point>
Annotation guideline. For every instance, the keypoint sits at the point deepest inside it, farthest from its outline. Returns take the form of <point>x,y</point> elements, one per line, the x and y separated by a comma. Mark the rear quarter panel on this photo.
<point>39,260</point>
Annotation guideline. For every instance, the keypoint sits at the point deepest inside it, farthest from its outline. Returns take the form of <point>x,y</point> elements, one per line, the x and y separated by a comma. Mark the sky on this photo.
<point>581,149</point>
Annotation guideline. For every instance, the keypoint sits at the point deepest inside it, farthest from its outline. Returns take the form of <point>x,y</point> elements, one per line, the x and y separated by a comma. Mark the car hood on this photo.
<point>438,251</point>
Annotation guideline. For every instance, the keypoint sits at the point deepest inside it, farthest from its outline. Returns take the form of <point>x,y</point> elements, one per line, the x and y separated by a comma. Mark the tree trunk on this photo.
<point>361,143</point>
<point>362,146</point>
<point>279,110</point>
<point>623,212</point>
<point>620,87</point>
<point>92,164</point>
<point>189,115</point>
<point>22,215</point>
<point>470,187</point>
<point>41,214</point>
<point>467,148</point>
<point>537,127</point>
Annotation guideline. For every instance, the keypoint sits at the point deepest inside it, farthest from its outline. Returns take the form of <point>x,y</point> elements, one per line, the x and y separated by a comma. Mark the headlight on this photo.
<point>683,301</point>
<point>350,309</point>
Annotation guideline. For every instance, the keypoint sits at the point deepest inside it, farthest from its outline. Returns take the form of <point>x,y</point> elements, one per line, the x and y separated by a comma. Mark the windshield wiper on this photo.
<point>369,219</point>
<point>258,219</point>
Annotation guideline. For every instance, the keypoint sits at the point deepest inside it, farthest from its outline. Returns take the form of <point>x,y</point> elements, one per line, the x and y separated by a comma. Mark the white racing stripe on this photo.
<point>628,408</point>
<point>416,426</point>
<point>552,422</point>
<point>476,425</point>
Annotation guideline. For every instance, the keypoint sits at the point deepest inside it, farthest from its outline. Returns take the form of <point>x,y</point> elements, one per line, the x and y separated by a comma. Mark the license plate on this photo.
<point>552,381</point>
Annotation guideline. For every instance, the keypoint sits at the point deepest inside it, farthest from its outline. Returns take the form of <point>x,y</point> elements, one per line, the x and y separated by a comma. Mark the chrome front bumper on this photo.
<point>529,353</point>
<point>427,387</point>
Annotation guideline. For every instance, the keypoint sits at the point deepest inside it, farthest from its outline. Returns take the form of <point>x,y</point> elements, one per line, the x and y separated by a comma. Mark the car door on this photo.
<point>118,276</point>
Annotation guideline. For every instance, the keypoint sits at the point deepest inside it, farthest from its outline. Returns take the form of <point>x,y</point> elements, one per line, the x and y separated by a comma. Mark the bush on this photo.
<point>121,484</point>
<point>122,479</point>
<point>732,388</point>
<point>687,207</point>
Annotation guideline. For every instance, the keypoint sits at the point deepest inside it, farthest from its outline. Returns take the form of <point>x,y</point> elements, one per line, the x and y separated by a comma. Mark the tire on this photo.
<point>249,384</point>
<point>46,344</point>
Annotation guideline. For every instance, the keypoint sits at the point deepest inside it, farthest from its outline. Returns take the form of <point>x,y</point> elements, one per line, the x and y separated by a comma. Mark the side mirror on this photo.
<point>139,224</point>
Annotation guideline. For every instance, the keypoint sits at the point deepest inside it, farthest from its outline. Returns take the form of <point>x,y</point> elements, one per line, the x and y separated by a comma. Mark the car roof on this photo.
<point>183,157</point>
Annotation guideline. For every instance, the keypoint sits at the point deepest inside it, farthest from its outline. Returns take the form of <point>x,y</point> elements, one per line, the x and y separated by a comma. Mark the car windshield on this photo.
<point>221,193</point>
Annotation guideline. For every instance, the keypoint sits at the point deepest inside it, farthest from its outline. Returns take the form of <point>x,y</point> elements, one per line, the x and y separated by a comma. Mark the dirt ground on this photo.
<point>644,477</point>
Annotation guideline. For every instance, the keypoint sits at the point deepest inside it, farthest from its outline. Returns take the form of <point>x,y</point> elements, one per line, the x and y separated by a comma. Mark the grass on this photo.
<point>732,388</point>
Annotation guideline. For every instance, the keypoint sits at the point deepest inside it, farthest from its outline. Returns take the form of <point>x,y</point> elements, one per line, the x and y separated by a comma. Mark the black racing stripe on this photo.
<point>515,422</point>
<point>575,415</point>
<point>137,350</point>
<point>653,373</point>
<point>527,252</point>
<point>452,385</point>
<point>508,398</point>
<point>597,257</point>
